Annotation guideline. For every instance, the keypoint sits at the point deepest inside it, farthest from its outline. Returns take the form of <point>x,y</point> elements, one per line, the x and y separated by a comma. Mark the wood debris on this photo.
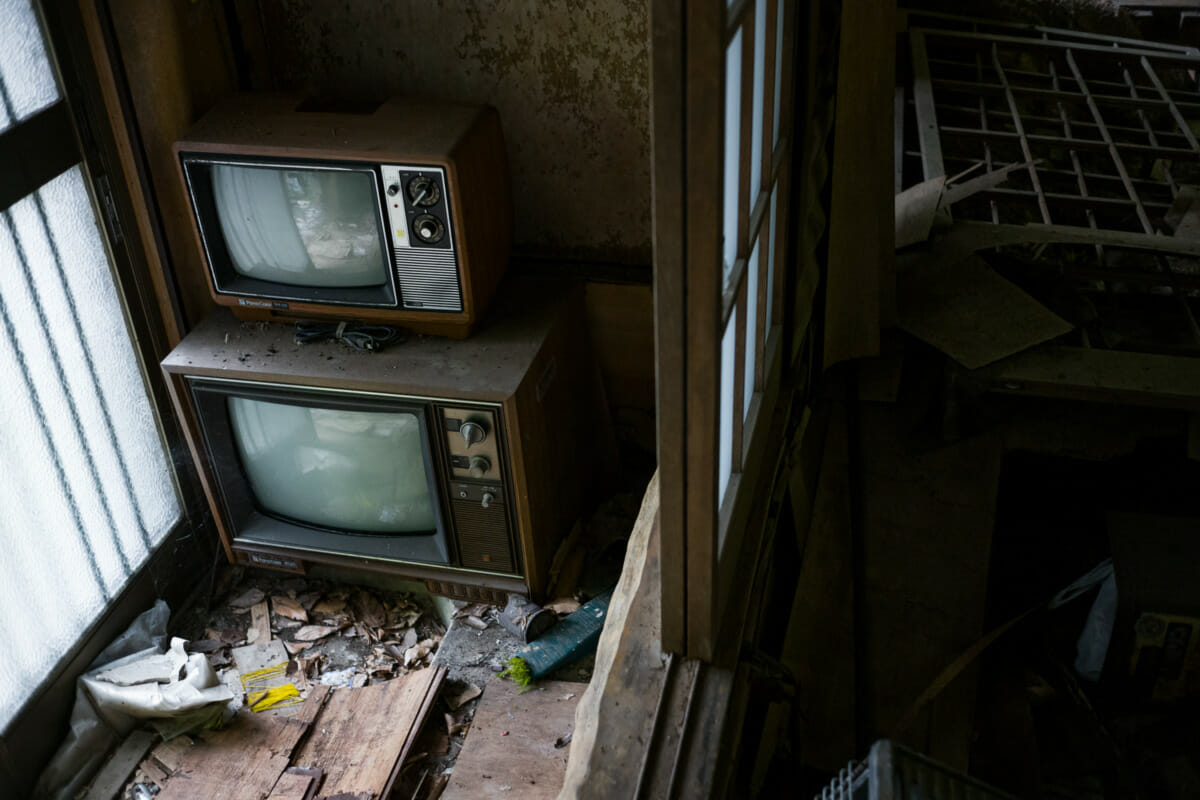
<point>248,598</point>
<point>368,610</point>
<point>260,623</point>
<point>418,651</point>
<point>328,607</point>
<point>564,606</point>
<point>311,633</point>
<point>461,696</point>
<point>288,608</point>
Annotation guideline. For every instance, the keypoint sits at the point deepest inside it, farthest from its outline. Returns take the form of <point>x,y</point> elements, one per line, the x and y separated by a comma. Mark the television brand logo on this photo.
<point>261,303</point>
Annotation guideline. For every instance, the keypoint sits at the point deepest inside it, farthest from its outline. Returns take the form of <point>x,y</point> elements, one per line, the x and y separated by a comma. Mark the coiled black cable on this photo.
<point>370,338</point>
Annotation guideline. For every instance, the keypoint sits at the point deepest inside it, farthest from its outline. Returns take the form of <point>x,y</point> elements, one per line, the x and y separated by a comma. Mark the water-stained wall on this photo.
<point>570,78</point>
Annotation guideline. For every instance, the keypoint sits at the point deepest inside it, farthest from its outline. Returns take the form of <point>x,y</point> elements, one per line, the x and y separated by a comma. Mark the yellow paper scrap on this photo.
<point>273,697</point>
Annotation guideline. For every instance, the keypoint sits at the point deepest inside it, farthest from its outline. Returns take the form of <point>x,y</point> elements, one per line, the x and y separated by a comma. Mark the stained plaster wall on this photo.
<point>569,77</point>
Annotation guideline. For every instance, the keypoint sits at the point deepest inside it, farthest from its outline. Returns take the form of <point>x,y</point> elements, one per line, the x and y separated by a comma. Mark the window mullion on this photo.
<point>35,151</point>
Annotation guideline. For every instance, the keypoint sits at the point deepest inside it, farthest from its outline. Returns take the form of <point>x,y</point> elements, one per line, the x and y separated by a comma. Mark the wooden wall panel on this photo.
<point>621,324</point>
<point>861,223</point>
<point>177,62</point>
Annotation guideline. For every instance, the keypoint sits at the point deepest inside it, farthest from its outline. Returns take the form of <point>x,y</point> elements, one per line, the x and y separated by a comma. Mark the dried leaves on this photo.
<point>248,599</point>
<point>311,633</point>
<point>309,618</point>
<point>289,608</point>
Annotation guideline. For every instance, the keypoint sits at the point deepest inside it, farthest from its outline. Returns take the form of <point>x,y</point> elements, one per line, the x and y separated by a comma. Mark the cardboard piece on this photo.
<point>971,313</point>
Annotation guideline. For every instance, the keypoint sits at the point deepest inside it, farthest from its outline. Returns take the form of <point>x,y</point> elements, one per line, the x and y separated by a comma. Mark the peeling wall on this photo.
<point>570,78</point>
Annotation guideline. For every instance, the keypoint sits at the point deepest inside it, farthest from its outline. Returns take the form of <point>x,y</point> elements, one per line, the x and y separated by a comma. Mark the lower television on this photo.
<point>460,463</point>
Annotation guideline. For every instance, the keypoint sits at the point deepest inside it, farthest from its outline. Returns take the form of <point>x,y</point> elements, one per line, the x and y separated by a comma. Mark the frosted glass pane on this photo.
<point>356,470</point>
<point>733,128</point>
<point>751,326</point>
<point>756,122</point>
<point>778,69</point>
<point>725,431</point>
<point>27,83</point>
<point>87,490</point>
<point>300,226</point>
<point>768,317</point>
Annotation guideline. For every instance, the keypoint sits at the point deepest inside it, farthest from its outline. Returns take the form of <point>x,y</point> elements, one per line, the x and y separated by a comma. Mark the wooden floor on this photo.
<point>350,742</point>
<point>927,515</point>
<point>519,743</point>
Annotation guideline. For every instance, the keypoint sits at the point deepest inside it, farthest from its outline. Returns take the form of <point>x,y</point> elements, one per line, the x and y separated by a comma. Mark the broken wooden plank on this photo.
<point>511,748</point>
<point>260,623</point>
<point>363,734</point>
<point>169,754</point>
<point>971,313</point>
<point>244,761</point>
<point>615,717</point>
<point>116,771</point>
<point>292,786</point>
<point>154,771</point>
<point>1106,376</point>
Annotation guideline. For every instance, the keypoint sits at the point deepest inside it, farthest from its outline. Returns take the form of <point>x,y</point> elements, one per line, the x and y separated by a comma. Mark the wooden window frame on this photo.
<point>89,126</point>
<point>702,537</point>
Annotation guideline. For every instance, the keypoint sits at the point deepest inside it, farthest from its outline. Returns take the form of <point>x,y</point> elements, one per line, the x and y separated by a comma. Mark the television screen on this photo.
<point>361,471</point>
<point>304,227</point>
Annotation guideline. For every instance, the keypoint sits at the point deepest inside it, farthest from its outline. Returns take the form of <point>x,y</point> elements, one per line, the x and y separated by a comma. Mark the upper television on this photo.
<point>399,215</point>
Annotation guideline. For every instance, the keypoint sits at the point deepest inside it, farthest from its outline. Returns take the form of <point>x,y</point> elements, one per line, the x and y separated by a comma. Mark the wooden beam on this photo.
<point>116,771</point>
<point>670,317</point>
<point>1107,376</point>
<point>861,220</point>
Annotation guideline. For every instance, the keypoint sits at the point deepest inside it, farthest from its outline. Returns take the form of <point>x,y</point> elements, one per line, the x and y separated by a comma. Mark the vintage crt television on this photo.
<point>402,215</point>
<point>460,463</point>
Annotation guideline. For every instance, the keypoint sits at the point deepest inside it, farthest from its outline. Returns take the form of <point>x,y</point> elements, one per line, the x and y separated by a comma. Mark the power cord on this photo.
<point>360,337</point>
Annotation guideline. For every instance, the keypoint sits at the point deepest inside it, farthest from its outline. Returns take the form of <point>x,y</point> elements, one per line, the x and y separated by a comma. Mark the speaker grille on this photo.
<point>467,592</point>
<point>428,279</point>
<point>482,536</point>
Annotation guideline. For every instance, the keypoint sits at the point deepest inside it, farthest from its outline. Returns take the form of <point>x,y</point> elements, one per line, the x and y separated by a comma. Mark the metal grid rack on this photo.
<point>891,772</point>
<point>1108,128</point>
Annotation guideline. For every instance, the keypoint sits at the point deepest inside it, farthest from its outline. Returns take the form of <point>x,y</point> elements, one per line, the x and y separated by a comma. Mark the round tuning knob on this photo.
<point>479,467</point>
<point>472,433</point>
<point>393,190</point>
<point>429,229</point>
<point>424,192</point>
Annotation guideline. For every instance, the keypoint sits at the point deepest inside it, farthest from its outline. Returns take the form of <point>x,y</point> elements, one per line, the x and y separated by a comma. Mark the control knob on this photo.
<point>472,433</point>
<point>393,190</point>
<point>480,466</point>
<point>429,229</point>
<point>487,499</point>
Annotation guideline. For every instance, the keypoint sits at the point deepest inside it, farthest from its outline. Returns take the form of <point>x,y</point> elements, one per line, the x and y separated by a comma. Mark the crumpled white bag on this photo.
<point>148,686</point>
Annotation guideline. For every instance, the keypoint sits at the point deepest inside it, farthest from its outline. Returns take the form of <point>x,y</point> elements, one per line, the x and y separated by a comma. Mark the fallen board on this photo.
<point>112,776</point>
<point>363,735</point>
<point>971,313</point>
<point>510,750</point>
<point>292,786</point>
<point>1105,376</point>
<point>244,761</point>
